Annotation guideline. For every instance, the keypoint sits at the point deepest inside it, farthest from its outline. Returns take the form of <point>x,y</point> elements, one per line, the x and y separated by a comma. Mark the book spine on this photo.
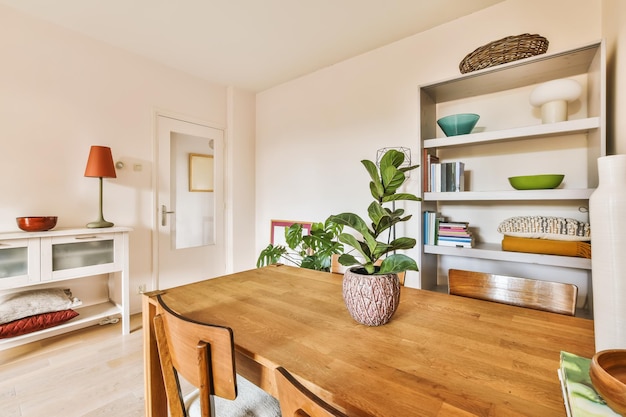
<point>450,176</point>
<point>459,175</point>
<point>428,171</point>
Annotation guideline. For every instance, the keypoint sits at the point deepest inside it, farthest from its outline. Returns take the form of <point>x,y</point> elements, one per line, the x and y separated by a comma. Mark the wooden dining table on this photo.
<point>439,355</point>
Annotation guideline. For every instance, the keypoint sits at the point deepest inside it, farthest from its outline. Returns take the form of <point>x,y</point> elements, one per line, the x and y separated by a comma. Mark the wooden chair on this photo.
<point>335,266</point>
<point>550,296</point>
<point>298,401</point>
<point>203,354</point>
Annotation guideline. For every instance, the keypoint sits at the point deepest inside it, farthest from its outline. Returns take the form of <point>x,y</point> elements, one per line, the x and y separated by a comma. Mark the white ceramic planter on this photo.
<point>607,214</point>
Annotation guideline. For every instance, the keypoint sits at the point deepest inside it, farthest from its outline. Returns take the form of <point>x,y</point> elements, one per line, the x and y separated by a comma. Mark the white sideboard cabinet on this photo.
<point>510,140</point>
<point>43,259</point>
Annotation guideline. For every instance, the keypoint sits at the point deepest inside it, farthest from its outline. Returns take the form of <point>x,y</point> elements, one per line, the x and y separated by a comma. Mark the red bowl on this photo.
<point>36,223</point>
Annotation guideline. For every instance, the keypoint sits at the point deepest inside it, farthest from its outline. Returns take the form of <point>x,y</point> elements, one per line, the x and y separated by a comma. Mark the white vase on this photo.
<point>607,214</point>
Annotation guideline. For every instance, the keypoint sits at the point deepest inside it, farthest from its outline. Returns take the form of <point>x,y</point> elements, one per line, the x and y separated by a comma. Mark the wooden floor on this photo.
<point>90,372</point>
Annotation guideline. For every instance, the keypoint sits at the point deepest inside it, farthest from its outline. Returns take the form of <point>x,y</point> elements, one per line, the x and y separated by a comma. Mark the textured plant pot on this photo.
<point>371,299</point>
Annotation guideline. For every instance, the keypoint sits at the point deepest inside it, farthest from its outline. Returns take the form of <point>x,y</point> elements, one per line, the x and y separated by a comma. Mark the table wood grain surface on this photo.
<point>440,355</point>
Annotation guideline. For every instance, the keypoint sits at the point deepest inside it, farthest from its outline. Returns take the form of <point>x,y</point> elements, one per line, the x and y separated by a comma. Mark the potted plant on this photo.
<point>371,289</point>
<point>311,251</point>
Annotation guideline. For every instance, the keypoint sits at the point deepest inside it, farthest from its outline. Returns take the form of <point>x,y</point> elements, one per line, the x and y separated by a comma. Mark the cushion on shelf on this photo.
<point>22,304</point>
<point>546,227</point>
<point>547,246</point>
<point>36,322</point>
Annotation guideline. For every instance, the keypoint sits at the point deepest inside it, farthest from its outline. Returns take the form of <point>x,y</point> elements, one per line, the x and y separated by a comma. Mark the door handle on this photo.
<point>164,214</point>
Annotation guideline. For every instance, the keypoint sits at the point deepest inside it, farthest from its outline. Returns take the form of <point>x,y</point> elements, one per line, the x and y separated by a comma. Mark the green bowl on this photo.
<point>536,182</point>
<point>458,124</point>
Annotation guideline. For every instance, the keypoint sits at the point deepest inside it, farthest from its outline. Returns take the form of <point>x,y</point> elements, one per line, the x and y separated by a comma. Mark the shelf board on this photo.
<point>58,231</point>
<point>513,195</point>
<point>568,127</point>
<point>514,74</point>
<point>88,316</point>
<point>493,251</point>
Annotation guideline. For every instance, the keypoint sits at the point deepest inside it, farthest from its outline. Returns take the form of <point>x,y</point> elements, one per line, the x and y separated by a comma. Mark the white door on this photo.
<point>190,203</point>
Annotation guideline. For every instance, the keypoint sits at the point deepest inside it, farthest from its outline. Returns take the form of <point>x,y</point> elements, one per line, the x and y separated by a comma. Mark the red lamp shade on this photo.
<point>100,163</point>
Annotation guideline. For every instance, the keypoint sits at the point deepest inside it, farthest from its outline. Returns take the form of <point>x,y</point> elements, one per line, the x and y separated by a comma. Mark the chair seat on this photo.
<point>251,401</point>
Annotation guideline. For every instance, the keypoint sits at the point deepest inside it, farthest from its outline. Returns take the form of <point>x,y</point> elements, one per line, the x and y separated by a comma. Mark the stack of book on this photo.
<point>427,164</point>
<point>431,227</point>
<point>447,177</point>
<point>454,234</point>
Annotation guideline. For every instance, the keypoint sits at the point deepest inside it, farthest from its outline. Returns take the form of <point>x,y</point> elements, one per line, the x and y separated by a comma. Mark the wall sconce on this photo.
<point>100,165</point>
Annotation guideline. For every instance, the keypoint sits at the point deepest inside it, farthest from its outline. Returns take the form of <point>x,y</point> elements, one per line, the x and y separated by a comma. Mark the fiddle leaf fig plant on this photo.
<point>311,251</point>
<point>385,182</point>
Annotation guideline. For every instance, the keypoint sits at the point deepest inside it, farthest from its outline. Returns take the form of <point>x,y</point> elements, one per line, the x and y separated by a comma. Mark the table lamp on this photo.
<point>100,165</point>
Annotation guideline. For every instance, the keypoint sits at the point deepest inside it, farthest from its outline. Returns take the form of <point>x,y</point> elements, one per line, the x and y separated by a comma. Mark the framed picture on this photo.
<point>277,234</point>
<point>200,172</point>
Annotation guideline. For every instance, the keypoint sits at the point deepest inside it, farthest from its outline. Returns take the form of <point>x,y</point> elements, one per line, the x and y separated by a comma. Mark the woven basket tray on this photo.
<point>504,50</point>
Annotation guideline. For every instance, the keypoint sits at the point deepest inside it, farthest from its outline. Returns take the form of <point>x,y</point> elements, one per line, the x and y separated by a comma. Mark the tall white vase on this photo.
<point>607,214</point>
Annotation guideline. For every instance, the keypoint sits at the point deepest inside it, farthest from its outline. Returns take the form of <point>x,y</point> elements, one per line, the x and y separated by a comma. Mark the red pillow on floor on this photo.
<point>34,323</point>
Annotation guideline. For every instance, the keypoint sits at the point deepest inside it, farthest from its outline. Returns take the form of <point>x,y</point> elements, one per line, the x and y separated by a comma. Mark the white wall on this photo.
<point>312,132</point>
<point>60,93</point>
<point>614,30</point>
<point>240,182</point>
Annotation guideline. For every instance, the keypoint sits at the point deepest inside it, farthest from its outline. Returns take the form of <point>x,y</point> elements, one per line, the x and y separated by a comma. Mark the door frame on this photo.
<point>228,250</point>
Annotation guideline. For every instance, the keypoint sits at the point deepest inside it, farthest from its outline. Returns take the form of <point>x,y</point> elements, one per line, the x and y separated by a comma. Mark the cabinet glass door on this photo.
<point>82,254</point>
<point>19,262</point>
<point>13,262</point>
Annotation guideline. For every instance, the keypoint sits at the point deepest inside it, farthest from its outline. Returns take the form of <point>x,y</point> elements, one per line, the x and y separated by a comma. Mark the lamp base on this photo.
<point>99,224</point>
<point>554,111</point>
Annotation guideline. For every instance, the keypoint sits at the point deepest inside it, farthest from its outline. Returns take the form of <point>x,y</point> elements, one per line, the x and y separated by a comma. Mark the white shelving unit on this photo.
<point>508,139</point>
<point>42,259</point>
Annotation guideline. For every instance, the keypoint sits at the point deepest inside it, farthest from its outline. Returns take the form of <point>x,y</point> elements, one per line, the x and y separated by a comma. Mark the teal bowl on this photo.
<point>458,124</point>
<point>536,182</point>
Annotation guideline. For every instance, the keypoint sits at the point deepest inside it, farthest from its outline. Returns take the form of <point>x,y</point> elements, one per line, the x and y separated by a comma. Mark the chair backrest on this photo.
<point>335,266</point>
<point>550,296</point>
<point>202,353</point>
<point>297,401</point>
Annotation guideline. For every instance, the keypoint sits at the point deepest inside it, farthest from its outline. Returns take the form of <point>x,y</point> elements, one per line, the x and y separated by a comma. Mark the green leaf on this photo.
<point>376,186</point>
<point>348,239</point>
<point>358,224</point>
<point>403,243</point>
<point>270,255</point>
<point>397,263</point>
<point>372,170</point>
<point>380,249</point>
<point>392,179</point>
<point>400,196</point>
<point>348,260</point>
<point>312,262</point>
<point>351,220</point>
<point>376,213</point>
<point>377,190</point>
<point>392,158</point>
<point>293,235</point>
<point>409,168</point>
